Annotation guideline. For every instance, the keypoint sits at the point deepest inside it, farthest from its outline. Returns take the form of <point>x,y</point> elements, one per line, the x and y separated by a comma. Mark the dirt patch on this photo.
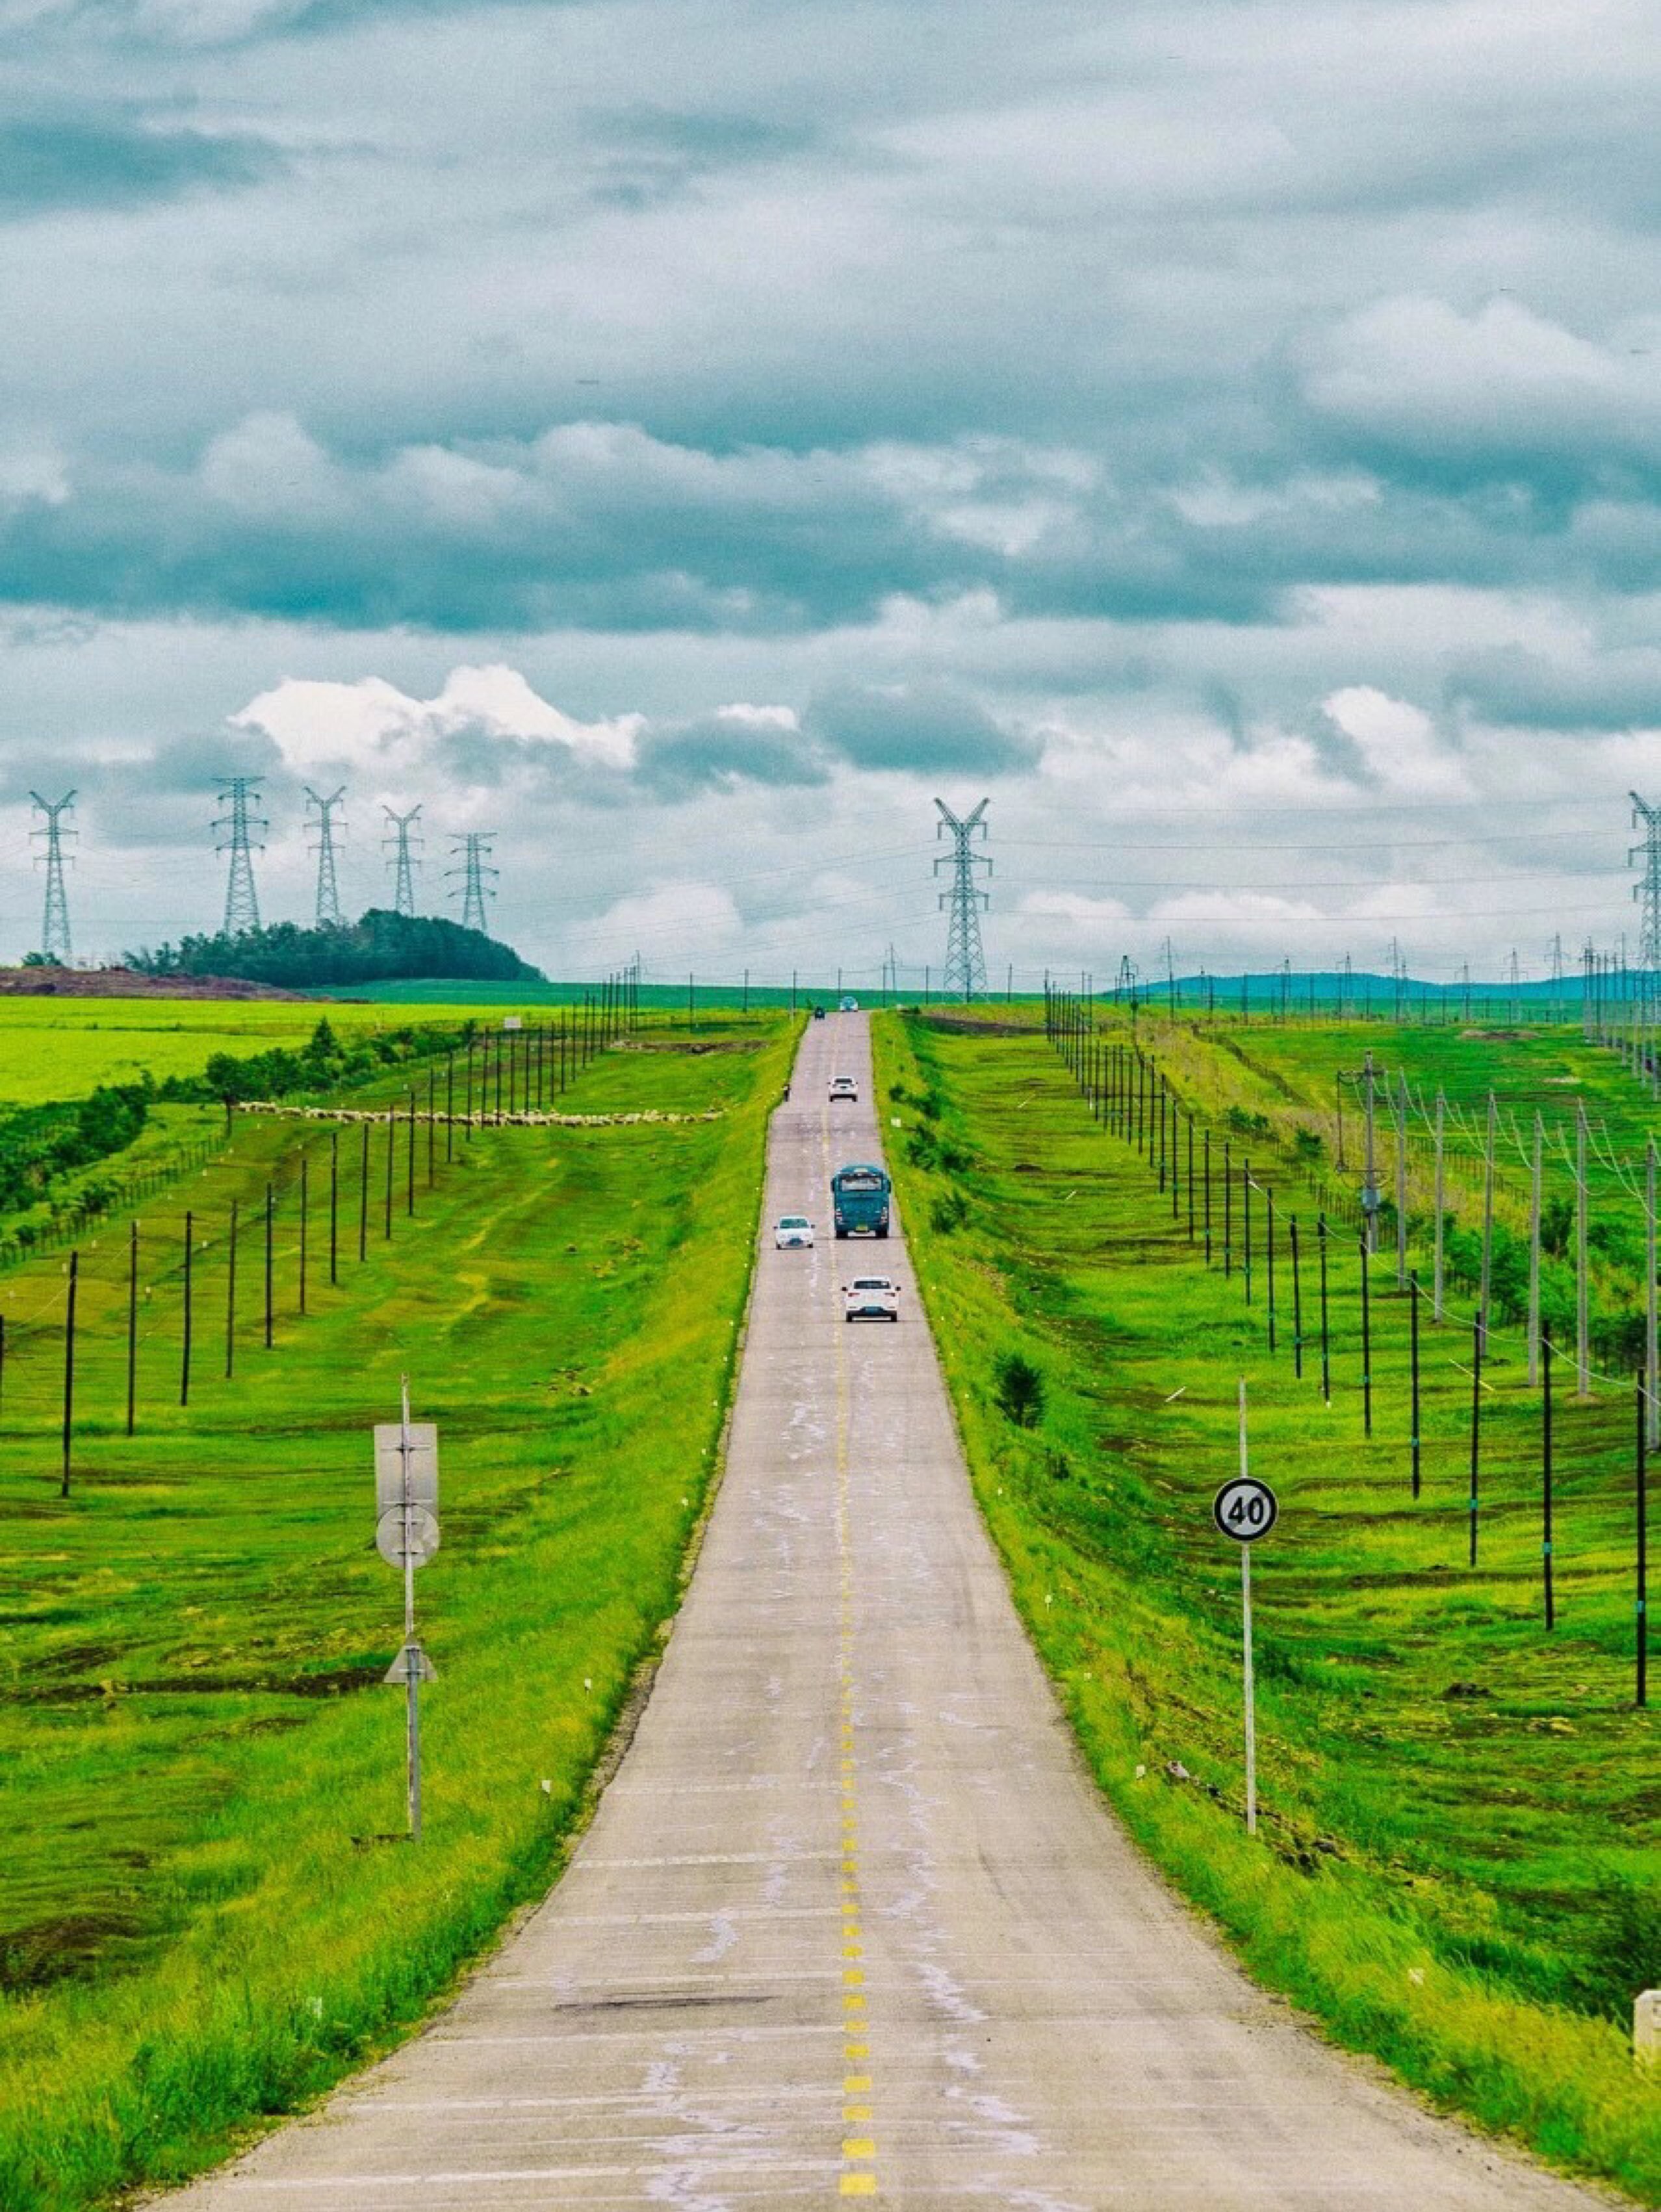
<point>967,1025</point>
<point>127,983</point>
<point>689,1047</point>
<point>54,1950</point>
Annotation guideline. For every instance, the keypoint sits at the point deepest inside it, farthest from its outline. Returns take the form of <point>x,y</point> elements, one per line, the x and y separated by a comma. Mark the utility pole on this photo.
<point>240,795</point>
<point>966,962</point>
<point>329,916</point>
<point>1370,1176</point>
<point>472,849</point>
<point>55,924</point>
<point>401,840</point>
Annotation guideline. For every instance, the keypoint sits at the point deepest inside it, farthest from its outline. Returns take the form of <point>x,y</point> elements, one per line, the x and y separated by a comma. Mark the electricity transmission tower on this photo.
<point>473,850</point>
<point>234,829</point>
<point>55,928</point>
<point>1647,889</point>
<point>400,842</point>
<point>329,916</point>
<point>966,962</point>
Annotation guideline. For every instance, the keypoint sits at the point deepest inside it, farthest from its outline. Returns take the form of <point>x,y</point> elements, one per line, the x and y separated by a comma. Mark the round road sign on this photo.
<point>1245,1509</point>
<point>424,1536</point>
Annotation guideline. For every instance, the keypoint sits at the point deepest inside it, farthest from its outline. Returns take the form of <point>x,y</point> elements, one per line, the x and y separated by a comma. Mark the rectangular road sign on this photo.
<point>389,1465</point>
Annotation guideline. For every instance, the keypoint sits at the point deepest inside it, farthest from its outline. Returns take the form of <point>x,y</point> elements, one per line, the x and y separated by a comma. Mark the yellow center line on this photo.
<point>858,2151</point>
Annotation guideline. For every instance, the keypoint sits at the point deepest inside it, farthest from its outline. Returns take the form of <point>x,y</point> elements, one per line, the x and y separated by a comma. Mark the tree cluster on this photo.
<point>380,947</point>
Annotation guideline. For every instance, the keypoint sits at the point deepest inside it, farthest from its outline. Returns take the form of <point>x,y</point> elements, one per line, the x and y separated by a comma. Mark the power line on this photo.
<point>404,865</point>
<point>1274,885</point>
<point>1130,829</point>
<point>329,916</point>
<point>234,831</point>
<point>55,925</point>
<point>473,848</point>
<point>966,962</point>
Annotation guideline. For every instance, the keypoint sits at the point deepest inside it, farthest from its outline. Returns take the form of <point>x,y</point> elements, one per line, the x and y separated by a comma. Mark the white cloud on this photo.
<point>373,727</point>
<point>674,926</point>
<point>1075,908</point>
<point>1398,742</point>
<point>1418,371</point>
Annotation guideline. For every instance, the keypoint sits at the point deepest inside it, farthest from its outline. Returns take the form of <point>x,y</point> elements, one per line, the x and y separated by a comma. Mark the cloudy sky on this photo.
<point>687,436</point>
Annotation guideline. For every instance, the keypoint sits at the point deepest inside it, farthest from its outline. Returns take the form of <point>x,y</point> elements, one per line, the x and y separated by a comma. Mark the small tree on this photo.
<point>1019,1389</point>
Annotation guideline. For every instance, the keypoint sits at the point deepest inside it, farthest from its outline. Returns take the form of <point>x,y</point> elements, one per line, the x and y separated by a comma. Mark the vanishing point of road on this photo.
<point>851,1920</point>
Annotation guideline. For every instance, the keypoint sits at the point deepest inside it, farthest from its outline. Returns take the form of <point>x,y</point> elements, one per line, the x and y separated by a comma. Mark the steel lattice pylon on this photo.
<point>329,916</point>
<point>55,926</point>
<point>966,962</point>
<point>240,795</point>
<point>400,843</point>
<point>473,849</point>
<point>1647,889</point>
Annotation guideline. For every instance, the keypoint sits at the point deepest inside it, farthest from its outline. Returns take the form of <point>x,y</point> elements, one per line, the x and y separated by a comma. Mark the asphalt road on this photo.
<point>851,1921</point>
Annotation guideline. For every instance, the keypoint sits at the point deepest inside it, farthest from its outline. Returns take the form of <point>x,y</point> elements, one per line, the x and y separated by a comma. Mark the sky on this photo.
<point>687,439</point>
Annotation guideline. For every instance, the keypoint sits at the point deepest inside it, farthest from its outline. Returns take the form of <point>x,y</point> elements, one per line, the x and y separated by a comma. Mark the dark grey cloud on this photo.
<point>930,729</point>
<point>1616,691</point>
<point>199,761</point>
<point>657,154</point>
<point>168,791</point>
<point>602,524</point>
<point>722,751</point>
<point>111,157</point>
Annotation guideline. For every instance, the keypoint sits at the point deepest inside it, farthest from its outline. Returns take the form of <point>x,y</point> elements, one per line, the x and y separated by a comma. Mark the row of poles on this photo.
<point>499,1076</point>
<point>1262,1246</point>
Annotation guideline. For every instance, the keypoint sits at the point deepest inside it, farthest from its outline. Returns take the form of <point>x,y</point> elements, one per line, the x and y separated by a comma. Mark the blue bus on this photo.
<point>859,1199</point>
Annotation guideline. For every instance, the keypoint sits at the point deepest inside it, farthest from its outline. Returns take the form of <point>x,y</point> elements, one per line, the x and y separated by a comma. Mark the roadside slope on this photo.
<point>1448,1871</point>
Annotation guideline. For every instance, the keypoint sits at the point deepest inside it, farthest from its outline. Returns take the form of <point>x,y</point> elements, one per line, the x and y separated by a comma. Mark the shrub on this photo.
<point>1019,1389</point>
<point>948,1212</point>
<point>1243,1122</point>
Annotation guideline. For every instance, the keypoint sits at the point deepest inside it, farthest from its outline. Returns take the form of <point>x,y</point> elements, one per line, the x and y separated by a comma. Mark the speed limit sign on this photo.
<point>1245,1509</point>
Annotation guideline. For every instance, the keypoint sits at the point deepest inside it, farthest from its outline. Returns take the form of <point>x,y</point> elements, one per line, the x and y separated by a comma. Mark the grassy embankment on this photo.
<point>52,1049</point>
<point>1455,1867</point>
<point>200,1921</point>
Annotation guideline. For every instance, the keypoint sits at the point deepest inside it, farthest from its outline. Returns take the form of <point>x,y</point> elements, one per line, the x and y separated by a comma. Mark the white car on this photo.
<point>871,1298</point>
<point>791,1229</point>
<point>844,1087</point>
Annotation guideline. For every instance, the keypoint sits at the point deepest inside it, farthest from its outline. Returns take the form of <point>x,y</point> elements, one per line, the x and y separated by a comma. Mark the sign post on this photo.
<point>406,1536</point>
<point>1246,1508</point>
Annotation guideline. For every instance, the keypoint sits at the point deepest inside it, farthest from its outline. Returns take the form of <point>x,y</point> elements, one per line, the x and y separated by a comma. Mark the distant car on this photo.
<point>792,1229</point>
<point>818,1013</point>
<point>844,1087</point>
<point>871,1298</point>
<point>849,1006</point>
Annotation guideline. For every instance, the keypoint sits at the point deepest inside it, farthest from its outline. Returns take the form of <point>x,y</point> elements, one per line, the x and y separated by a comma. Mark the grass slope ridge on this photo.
<point>1461,1886</point>
<point>201,1922</point>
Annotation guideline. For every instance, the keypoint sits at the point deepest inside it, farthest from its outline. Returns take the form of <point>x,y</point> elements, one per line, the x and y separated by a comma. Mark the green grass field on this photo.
<point>1456,1863</point>
<point>52,1049</point>
<point>207,1914</point>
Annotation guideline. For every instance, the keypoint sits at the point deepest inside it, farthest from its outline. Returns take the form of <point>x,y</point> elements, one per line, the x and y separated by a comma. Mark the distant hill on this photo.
<point>381,947</point>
